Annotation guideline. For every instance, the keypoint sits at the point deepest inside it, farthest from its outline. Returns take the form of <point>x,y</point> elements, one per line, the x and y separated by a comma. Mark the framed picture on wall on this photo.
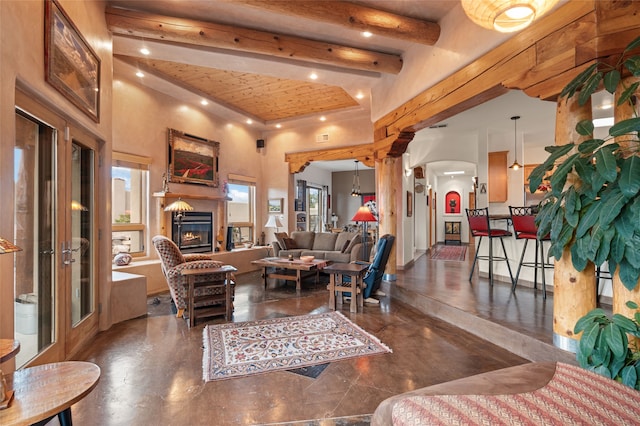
<point>275,205</point>
<point>409,203</point>
<point>192,159</point>
<point>71,65</point>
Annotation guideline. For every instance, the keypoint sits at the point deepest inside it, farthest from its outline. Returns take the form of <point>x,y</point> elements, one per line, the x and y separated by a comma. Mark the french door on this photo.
<point>55,274</point>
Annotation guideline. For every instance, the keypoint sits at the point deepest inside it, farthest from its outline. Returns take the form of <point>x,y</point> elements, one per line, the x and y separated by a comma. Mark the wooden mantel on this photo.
<point>219,210</point>
<point>176,195</point>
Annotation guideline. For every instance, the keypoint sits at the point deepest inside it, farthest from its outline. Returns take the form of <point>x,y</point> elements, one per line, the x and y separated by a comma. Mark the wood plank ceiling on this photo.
<point>265,98</point>
<point>321,35</point>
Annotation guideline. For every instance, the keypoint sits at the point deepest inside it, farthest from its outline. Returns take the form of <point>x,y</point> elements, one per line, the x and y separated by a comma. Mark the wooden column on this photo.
<point>388,184</point>
<point>621,294</point>
<point>574,293</point>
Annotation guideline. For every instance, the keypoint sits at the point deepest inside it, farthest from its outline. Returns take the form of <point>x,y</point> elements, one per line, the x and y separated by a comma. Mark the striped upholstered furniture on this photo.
<point>174,262</point>
<point>547,393</point>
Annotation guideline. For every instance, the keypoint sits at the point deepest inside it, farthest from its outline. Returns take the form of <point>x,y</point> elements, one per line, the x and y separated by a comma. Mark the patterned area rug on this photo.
<point>444,252</point>
<point>241,349</point>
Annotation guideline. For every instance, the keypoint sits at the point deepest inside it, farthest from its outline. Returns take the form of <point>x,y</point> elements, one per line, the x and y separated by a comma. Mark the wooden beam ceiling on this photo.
<point>210,35</point>
<point>298,161</point>
<point>357,17</point>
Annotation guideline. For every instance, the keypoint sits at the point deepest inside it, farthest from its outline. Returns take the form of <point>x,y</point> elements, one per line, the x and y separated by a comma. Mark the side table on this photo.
<point>336,284</point>
<point>223,298</point>
<point>48,390</point>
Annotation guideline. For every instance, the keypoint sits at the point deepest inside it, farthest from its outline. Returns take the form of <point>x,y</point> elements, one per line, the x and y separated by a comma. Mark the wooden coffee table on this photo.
<point>281,265</point>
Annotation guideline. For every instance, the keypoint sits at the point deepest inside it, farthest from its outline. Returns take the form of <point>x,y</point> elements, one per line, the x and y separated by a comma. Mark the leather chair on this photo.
<point>375,272</point>
<point>174,262</point>
<point>524,226</point>
<point>480,226</point>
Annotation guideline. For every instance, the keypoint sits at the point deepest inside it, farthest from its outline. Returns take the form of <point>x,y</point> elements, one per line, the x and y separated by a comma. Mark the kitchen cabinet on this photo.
<point>498,187</point>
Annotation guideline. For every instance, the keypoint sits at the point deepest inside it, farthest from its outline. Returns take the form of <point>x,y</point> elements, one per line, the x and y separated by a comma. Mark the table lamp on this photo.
<point>273,222</point>
<point>179,207</point>
<point>364,215</point>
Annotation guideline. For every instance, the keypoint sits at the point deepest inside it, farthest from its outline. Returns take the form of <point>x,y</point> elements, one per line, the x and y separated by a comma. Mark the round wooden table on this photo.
<point>8,349</point>
<point>48,390</point>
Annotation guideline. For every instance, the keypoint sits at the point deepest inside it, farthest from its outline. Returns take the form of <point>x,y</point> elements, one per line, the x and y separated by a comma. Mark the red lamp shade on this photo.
<point>363,215</point>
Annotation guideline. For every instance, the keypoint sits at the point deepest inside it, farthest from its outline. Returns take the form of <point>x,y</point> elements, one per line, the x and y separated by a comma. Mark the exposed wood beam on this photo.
<point>210,35</point>
<point>485,78</point>
<point>356,17</point>
<point>298,161</point>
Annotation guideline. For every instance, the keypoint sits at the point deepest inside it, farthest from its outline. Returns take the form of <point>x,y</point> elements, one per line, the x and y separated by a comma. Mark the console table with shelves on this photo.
<point>452,232</point>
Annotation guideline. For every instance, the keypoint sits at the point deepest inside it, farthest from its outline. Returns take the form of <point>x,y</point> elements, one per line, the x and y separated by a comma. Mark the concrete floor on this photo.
<point>152,366</point>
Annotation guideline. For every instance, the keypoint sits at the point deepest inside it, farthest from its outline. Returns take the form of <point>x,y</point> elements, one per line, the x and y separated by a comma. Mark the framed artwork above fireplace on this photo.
<point>193,159</point>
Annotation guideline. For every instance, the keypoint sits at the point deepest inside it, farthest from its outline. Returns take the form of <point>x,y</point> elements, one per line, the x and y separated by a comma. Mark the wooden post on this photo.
<point>387,184</point>
<point>574,293</point>
<point>621,295</point>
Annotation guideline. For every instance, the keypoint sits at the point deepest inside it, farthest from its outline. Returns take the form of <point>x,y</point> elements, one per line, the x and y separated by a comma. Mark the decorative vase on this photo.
<point>122,259</point>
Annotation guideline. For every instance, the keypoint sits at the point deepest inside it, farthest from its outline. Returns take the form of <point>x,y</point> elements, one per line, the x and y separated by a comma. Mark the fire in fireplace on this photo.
<point>193,234</point>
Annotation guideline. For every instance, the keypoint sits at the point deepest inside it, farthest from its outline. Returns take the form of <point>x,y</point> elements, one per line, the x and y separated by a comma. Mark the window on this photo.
<point>241,211</point>
<point>130,194</point>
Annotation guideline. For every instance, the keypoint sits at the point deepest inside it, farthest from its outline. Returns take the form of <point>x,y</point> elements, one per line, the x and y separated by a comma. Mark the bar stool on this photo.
<point>479,225</point>
<point>524,226</point>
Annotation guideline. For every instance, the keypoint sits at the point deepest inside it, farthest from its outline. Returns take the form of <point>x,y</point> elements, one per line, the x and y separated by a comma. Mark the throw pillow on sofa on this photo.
<point>289,243</point>
<point>355,240</point>
<point>280,236</point>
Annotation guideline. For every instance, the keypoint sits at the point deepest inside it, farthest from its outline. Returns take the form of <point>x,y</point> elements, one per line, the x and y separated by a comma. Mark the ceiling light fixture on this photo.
<point>145,51</point>
<point>249,121</point>
<point>278,126</point>
<point>323,118</point>
<point>506,16</point>
<point>515,165</point>
<point>457,172</point>
<point>355,187</point>
<point>140,74</point>
<point>366,34</point>
<point>313,76</point>
<point>359,95</point>
<point>204,102</point>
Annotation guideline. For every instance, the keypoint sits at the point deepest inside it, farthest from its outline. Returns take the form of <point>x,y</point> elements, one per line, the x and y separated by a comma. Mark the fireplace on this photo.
<point>196,229</point>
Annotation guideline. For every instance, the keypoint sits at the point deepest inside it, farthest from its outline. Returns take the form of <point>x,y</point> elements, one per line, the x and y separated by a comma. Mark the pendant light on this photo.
<point>506,16</point>
<point>355,188</point>
<point>515,165</point>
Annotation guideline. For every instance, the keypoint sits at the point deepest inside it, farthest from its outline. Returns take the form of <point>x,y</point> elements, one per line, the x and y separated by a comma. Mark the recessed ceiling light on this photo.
<point>204,102</point>
<point>313,76</point>
<point>249,121</point>
<point>366,34</point>
<point>359,95</point>
<point>139,74</point>
<point>323,118</point>
<point>606,106</point>
<point>278,126</point>
<point>145,51</point>
<point>457,172</point>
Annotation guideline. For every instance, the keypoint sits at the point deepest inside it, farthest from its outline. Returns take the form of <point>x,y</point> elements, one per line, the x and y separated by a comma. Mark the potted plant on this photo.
<point>593,206</point>
<point>604,347</point>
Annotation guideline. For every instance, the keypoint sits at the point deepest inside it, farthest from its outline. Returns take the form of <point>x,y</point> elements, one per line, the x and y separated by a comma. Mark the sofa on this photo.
<point>341,247</point>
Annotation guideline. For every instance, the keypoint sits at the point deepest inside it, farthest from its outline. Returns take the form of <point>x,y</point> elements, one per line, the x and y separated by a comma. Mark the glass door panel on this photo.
<point>82,224</point>
<point>34,209</point>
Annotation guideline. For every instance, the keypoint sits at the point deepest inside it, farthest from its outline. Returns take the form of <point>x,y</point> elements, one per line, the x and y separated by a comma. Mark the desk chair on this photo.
<point>524,226</point>
<point>480,226</point>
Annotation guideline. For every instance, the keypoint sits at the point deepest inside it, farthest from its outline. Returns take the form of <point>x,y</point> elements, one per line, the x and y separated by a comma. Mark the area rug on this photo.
<point>254,347</point>
<point>444,252</point>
